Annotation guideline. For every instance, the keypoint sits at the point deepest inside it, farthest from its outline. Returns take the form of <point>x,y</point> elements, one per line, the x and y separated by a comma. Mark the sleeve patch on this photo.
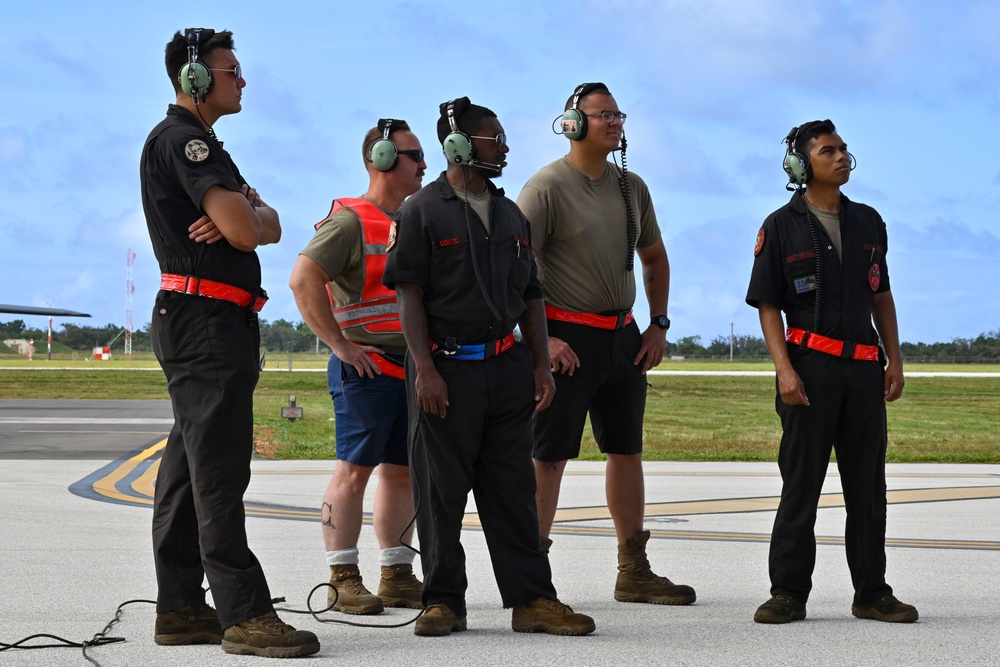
<point>760,242</point>
<point>196,150</point>
<point>392,237</point>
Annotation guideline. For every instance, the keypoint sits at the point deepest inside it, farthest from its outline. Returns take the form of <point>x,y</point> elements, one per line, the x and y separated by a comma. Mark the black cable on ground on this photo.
<point>99,639</point>
<point>102,639</point>
<point>316,614</point>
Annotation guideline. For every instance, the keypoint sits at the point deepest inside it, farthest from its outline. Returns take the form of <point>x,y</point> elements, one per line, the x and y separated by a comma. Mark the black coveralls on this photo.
<point>847,410</point>
<point>484,443</point>
<point>208,349</point>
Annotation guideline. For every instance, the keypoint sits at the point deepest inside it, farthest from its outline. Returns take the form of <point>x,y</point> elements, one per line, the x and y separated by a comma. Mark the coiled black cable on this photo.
<point>472,250</point>
<point>633,228</point>
<point>819,268</point>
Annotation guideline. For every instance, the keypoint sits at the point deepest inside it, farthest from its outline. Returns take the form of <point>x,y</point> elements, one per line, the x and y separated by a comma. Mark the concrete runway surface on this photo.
<point>76,484</point>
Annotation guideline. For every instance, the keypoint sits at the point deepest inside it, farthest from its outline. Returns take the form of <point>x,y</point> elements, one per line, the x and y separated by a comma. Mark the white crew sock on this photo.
<point>342,557</point>
<point>396,556</point>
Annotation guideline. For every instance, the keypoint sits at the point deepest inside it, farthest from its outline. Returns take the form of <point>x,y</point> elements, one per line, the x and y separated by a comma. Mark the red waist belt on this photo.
<point>588,319</point>
<point>212,289</point>
<point>387,366</point>
<point>837,348</point>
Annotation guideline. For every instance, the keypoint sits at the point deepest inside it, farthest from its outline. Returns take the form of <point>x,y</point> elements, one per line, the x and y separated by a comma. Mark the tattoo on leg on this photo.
<point>647,277</point>
<point>326,514</point>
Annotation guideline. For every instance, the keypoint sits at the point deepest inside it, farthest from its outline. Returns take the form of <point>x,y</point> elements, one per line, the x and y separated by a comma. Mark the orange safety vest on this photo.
<point>377,312</point>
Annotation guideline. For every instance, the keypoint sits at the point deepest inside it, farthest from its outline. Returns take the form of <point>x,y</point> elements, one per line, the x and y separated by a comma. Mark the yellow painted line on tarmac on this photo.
<point>102,432</point>
<point>144,484</point>
<point>765,538</point>
<point>770,503</point>
<point>569,521</point>
<point>107,485</point>
<point>679,473</point>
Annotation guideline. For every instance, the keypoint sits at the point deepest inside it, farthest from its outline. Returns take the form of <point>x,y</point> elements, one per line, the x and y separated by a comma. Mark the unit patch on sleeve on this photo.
<point>874,277</point>
<point>760,242</point>
<point>392,237</point>
<point>196,150</point>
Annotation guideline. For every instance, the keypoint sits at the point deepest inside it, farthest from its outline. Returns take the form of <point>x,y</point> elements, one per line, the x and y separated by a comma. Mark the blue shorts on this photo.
<point>371,416</point>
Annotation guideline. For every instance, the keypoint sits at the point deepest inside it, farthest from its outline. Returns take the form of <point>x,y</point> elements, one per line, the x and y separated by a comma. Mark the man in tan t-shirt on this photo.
<point>342,266</point>
<point>588,220</point>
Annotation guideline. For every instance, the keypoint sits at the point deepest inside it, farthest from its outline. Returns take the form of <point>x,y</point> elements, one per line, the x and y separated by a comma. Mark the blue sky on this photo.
<point>711,88</point>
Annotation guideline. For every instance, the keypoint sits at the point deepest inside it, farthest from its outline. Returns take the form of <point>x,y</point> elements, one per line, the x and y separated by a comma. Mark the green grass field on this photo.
<point>688,418</point>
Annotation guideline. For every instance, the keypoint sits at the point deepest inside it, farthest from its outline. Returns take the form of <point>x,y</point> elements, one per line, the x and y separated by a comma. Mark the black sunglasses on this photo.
<point>414,154</point>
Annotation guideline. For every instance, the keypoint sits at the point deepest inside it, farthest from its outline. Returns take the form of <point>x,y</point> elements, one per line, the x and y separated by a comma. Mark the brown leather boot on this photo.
<point>550,616</point>
<point>399,587</point>
<point>270,637</point>
<point>190,624</point>
<point>438,620</point>
<point>351,595</point>
<point>637,582</point>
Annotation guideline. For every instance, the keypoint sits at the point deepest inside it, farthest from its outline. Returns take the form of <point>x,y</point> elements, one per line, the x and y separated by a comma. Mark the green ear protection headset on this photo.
<point>573,121</point>
<point>796,163</point>
<point>195,77</point>
<point>383,153</point>
<point>457,146</point>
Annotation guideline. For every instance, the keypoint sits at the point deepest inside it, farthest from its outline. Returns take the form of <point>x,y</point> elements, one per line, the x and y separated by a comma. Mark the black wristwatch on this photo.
<point>661,321</point>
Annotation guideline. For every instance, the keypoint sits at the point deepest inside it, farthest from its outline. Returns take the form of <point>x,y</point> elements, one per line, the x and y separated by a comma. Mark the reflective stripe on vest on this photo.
<point>377,311</point>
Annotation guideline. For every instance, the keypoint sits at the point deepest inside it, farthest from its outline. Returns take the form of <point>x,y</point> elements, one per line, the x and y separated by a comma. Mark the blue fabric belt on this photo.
<point>474,351</point>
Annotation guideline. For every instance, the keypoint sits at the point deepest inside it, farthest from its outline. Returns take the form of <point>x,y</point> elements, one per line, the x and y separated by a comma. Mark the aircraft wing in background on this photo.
<point>30,310</point>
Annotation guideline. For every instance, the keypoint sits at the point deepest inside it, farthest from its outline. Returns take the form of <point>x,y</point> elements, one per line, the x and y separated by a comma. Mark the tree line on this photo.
<point>284,336</point>
<point>277,336</point>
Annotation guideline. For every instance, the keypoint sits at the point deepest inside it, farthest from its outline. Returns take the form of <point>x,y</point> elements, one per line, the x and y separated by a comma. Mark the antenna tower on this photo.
<point>129,290</point>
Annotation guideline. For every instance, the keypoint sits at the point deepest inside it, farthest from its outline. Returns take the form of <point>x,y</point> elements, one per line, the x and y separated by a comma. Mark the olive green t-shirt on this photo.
<point>338,248</point>
<point>579,233</point>
<point>831,223</point>
<point>480,203</point>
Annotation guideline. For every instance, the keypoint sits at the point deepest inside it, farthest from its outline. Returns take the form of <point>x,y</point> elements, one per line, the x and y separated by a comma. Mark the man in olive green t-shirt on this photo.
<point>588,220</point>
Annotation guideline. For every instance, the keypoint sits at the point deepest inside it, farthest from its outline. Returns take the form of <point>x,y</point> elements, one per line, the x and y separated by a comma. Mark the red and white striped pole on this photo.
<point>48,355</point>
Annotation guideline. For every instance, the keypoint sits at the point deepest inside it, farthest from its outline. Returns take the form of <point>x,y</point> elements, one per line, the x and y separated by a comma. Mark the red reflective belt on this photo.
<point>588,319</point>
<point>387,366</point>
<point>475,351</point>
<point>837,348</point>
<point>211,289</point>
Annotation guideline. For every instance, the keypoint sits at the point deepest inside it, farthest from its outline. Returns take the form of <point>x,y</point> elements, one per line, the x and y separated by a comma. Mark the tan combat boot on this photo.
<point>550,616</point>
<point>399,587</point>
<point>637,582</point>
<point>351,595</point>
<point>270,637</point>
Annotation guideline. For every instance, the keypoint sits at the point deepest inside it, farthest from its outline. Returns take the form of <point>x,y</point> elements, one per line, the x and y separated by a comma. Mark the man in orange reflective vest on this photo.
<point>337,282</point>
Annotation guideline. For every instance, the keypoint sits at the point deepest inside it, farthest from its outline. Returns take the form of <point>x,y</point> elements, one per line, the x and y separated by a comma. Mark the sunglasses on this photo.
<point>413,154</point>
<point>237,71</point>
<point>501,139</point>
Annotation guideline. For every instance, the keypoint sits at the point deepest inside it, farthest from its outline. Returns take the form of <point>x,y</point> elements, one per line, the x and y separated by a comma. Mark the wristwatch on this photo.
<point>661,321</point>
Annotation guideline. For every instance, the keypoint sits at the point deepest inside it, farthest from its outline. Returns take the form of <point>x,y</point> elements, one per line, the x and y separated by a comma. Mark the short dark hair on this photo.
<point>809,131</point>
<point>376,132</point>
<point>468,117</point>
<point>596,88</point>
<point>176,55</point>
